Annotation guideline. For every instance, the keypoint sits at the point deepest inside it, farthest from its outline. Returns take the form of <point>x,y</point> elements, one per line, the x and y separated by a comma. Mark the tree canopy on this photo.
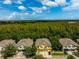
<point>29,51</point>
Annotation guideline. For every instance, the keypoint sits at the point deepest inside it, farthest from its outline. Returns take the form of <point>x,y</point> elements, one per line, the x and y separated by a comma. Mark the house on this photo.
<point>24,43</point>
<point>68,44</point>
<point>43,47</point>
<point>77,41</point>
<point>5,43</point>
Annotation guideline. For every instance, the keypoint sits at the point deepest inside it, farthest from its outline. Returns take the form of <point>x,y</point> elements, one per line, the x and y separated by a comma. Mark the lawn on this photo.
<point>58,53</point>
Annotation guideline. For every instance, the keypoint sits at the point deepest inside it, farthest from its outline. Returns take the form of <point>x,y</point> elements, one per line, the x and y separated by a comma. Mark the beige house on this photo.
<point>68,44</point>
<point>5,43</point>
<point>43,47</point>
<point>24,43</point>
<point>77,41</point>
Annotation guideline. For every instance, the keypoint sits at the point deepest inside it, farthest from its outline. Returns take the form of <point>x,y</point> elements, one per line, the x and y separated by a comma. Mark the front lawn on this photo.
<point>58,53</point>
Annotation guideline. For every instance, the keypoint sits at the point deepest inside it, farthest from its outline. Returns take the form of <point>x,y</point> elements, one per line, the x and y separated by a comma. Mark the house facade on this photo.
<point>43,47</point>
<point>68,44</point>
<point>24,43</point>
<point>5,43</point>
<point>77,41</point>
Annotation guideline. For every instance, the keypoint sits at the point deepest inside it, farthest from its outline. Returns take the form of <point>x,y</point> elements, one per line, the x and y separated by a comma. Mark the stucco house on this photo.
<point>24,43</point>
<point>68,44</point>
<point>77,41</point>
<point>43,47</point>
<point>5,43</point>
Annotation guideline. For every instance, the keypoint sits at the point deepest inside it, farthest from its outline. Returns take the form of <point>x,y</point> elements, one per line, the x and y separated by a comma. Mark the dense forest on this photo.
<point>53,30</point>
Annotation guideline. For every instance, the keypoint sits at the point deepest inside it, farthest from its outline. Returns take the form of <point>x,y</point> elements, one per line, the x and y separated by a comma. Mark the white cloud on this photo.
<point>44,8</point>
<point>74,6</point>
<point>7,1</point>
<point>39,10</point>
<point>18,2</point>
<point>75,3</point>
<point>12,15</point>
<point>18,15</point>
<point>61,2</point>
<point>48,3</point>
<point>26,13</point>
<point>33,14</point>
<point>21,7</point>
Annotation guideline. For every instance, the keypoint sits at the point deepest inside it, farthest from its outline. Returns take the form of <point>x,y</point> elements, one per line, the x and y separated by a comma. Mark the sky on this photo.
<point>39,9</point>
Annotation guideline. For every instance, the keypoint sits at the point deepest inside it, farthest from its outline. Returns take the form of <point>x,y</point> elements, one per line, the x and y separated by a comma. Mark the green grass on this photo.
<point>58,53</point>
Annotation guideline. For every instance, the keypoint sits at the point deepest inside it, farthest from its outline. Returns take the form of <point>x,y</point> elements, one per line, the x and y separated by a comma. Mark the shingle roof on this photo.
<point>42,41</point>
<point>67,42</point>
<point>25,42</point>
<point>6,42</point>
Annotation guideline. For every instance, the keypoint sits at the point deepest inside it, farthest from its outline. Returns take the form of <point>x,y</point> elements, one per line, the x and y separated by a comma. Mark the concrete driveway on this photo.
<point>19,55</point>
<point>71,53</point>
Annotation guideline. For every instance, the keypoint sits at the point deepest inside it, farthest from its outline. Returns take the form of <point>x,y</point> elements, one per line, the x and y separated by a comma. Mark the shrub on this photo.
<point>70,57</point>
<point>29,51</point>
<point>9,51</point>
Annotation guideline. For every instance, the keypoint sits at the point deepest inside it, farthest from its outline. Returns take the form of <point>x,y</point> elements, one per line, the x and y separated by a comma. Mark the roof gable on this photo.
<point>25,42</point>
<point>42,41</point>
<point>67,42</point>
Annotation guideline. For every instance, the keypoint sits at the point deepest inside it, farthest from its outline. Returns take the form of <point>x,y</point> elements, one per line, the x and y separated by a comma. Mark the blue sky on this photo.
<point>39,9</point>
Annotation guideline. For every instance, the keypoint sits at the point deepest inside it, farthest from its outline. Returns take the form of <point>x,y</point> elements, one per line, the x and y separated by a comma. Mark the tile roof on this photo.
<point>42,41</point>
<point>67,42</point>
<point>25,42</point>
<point>6,42</point>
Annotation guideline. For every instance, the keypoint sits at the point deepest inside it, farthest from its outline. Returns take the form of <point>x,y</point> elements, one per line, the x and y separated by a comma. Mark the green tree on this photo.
<point>29,51</point>
<point>70,57</point>
<point>9,51</point>
<point>55,43</point>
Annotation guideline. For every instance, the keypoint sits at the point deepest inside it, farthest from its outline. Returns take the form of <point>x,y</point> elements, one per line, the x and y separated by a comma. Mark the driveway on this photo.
<point>19,55</point>
<point>70,53</point>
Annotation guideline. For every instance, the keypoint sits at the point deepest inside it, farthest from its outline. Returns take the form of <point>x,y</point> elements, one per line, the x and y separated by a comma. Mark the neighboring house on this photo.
<point>5,43</point>
<point>43,47</point>
<point>77,41</point>
<point>68,44</point>
<point>24,43</point>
